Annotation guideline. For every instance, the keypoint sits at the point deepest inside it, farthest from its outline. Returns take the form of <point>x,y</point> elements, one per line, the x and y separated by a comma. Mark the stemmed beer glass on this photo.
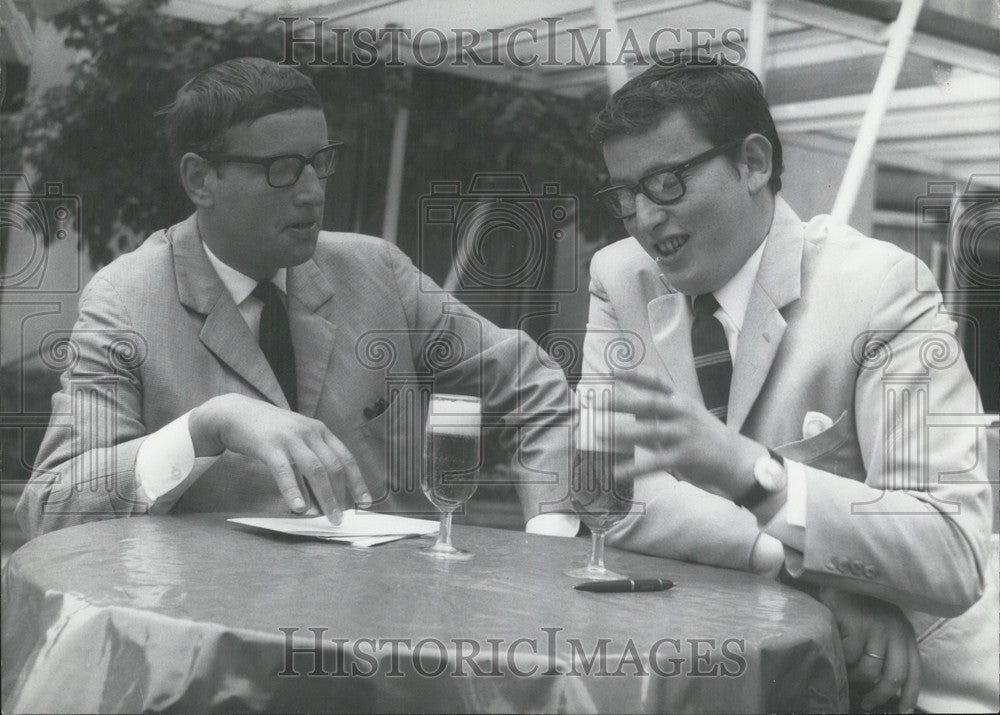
<point>451,463</point>
<point>599,493</point>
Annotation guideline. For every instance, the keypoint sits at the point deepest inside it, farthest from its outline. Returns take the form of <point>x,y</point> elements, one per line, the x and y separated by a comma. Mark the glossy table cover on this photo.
<point>193,614</point>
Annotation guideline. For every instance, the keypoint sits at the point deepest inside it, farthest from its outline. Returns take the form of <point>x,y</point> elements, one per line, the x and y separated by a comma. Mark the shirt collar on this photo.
<point>734,296</point>
<point>238,284</point>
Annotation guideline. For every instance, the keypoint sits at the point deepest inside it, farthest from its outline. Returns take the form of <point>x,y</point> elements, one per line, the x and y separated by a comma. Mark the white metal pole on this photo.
<point>899,39</point>
<point>394,182</point>
<point>757,38</point>
<point>604,14</point>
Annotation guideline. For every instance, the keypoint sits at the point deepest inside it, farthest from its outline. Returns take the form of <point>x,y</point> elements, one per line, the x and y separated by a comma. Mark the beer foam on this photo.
<point>455,415</point>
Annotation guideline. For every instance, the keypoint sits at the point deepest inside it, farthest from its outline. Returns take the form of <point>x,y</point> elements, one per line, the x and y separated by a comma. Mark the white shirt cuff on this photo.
<point>165,464</point>
<point>767,556</point>
<point>796,505</point>
<point>553,525</point>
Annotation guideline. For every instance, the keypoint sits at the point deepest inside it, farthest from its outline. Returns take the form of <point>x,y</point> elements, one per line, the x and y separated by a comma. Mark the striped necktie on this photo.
<point>711,355</point>
<point>276,339</point>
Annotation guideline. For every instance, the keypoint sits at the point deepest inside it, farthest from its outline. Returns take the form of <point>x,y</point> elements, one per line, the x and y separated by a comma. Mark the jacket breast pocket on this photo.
<point>826,443</point>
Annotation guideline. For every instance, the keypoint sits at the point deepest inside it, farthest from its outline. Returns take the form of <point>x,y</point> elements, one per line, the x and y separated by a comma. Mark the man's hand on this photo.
<point>294,448</point>
<point>880,649</point>
<point>684,437</point>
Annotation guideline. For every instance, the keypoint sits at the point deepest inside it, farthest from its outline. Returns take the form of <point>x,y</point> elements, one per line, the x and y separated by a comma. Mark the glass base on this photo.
<point>593,573</point>
<point>438,550</point>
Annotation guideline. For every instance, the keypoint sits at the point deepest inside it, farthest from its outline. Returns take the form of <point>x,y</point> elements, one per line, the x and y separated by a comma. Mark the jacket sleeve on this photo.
<point>523,390</point>
<point>916,531</point>
<point>85,469</point>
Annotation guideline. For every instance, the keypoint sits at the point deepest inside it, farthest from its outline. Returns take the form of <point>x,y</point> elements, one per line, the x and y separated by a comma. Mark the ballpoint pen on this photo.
<point>627,585</point>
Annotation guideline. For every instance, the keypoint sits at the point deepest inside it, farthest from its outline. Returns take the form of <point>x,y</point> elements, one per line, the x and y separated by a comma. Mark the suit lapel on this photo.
<point>670,326</point>
<point>225,332</point>
<point>310,313</point>
<point>778,283</point>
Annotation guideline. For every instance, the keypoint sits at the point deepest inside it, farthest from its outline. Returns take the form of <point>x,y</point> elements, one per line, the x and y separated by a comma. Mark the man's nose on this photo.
<point>310,189</point>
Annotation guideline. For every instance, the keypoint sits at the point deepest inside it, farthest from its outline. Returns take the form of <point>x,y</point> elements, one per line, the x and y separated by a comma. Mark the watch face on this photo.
<point>770,474</point>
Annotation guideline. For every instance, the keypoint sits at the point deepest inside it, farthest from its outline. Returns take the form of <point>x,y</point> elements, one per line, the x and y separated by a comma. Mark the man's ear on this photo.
<point>196,176</point>
<point>757,162</point>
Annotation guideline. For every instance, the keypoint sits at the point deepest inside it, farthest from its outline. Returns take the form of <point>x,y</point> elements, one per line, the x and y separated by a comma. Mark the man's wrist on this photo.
<point>204,430</point>
<point>742,478</point>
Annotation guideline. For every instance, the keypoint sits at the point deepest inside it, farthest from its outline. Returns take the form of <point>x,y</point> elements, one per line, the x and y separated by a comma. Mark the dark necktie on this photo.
<point>711,355</point>
<point>276,339</point>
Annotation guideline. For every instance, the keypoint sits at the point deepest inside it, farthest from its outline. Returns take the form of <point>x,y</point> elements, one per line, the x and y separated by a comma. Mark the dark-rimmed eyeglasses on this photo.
<point>284,170</point>
<point>662,187</point>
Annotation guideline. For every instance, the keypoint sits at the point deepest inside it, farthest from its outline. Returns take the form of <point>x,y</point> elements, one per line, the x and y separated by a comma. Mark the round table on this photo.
<point>193,613</point>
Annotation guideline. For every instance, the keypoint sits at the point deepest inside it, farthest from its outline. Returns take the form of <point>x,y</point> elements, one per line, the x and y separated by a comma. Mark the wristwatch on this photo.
<point>769,477</point>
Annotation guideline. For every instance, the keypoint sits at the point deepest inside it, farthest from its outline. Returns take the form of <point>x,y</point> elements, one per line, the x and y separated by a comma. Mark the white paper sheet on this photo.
<point>358,528</point>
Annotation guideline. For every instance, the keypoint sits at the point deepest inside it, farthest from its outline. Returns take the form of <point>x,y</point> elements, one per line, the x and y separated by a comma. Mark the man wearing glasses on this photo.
<point>242,360</point>
<point>787,370</point>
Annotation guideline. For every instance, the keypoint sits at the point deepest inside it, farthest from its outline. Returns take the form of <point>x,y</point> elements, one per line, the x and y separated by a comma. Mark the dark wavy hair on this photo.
<point>230,93</point>
<point>725,101</point>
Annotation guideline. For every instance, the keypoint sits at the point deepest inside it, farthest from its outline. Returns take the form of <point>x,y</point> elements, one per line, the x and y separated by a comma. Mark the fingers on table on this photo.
<point>317,468</point>
<point>280,466</point>
<point>349,469</point>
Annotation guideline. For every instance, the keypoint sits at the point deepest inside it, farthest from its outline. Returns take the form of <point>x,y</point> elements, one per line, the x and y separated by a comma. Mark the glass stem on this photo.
<point>444,533</point>
<point>597,550</point>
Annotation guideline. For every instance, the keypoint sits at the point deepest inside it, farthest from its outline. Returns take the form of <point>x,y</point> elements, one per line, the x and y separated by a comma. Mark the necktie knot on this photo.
<point>705,305</point>
<point>266,292</point>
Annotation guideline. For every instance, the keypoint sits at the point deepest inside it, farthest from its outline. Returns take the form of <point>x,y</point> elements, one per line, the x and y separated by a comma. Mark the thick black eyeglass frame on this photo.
<point>268,161</point>
<point>677,170</point>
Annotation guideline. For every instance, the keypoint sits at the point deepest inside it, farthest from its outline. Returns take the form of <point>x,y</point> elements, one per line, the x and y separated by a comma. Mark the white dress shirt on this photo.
<point>241,286</point>
<point>165,464</point>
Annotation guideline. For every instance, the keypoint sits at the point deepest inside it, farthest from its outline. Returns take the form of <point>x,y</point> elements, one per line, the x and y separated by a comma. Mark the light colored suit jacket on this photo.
<point>158,334</point>
<point>898,508</point>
